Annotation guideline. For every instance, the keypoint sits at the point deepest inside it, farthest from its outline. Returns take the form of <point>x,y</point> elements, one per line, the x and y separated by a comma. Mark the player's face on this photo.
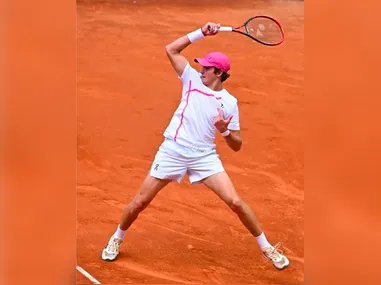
<point>208,76</point>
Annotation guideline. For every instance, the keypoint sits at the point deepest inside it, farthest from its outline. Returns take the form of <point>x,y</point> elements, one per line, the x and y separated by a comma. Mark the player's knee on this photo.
<point>139,205</point>
<point>237,205</point>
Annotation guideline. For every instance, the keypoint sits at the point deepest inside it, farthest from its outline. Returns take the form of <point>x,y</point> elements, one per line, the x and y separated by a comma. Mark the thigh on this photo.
<point>221,184</point>
<point>203,167</point>
<point>149,188</point>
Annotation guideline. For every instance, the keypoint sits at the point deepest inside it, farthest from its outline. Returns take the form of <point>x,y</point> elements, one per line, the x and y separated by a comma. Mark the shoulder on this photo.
<point>189,73</point>
<point>230,99</point>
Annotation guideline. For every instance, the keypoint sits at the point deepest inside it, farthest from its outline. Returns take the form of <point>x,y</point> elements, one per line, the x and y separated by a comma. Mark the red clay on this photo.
<point>127,93</point>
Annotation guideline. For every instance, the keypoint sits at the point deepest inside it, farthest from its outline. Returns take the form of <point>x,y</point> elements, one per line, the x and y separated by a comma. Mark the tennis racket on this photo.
<point>262,29</point>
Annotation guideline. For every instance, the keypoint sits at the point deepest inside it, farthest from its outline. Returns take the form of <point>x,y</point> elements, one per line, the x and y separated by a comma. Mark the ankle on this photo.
<point>119,233</point>
<point>262,241</point>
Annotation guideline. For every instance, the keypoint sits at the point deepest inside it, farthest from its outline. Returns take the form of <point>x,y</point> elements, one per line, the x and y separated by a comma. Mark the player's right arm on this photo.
<point>175,48</point>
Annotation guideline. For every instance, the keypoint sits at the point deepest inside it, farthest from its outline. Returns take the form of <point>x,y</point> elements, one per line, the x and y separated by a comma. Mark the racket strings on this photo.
<point>265,30</point>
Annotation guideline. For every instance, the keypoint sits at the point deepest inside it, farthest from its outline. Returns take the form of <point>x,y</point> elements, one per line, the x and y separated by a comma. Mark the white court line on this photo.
<point>86,274</point>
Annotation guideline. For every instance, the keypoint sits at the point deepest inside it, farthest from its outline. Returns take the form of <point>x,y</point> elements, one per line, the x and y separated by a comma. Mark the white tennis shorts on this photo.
<point>173,161</point>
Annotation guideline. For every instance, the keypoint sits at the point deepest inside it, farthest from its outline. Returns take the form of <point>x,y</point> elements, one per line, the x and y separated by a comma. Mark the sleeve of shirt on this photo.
<point>189,73</point>
<point>234,123</point>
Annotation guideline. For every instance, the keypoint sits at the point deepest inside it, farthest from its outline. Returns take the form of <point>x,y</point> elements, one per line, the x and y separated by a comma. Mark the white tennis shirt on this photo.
<point>192,123</point>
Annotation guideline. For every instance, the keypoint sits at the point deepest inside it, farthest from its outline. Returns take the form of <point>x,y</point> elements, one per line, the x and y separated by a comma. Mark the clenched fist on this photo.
<point>210,29</point>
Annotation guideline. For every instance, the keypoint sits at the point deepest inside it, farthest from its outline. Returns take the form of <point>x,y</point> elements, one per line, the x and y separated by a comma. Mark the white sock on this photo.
<point>119,233</point>
<point>262,241</point>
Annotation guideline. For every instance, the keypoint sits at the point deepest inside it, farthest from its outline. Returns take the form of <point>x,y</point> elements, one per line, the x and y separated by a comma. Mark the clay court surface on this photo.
<point>127,93</point>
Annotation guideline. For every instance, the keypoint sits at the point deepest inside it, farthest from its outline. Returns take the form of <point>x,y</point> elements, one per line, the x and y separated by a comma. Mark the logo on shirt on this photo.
<point>222,105</point>
<point>156,168</point>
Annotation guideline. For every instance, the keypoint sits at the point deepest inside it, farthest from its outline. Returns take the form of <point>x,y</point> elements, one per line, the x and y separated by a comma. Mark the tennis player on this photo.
<point>206,108</point>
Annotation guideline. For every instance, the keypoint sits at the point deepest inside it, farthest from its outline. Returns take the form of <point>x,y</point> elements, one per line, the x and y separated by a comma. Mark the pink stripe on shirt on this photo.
<point>186,105</point>
<point>182,114</point>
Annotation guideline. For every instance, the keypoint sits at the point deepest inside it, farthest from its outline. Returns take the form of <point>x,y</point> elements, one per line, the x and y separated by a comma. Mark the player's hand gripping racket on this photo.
<point>263,29</point>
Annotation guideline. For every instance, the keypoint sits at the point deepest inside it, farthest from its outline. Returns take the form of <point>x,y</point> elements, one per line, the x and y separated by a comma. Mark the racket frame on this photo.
<point>247,33</point>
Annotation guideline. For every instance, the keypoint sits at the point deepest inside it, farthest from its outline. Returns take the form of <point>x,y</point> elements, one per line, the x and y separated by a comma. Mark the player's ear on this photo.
<point>218,72</point>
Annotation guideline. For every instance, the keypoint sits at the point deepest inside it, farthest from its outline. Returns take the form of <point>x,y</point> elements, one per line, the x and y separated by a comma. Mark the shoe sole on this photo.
<point>282,267</point>
<point>274,264</point>
<point>108,259</point>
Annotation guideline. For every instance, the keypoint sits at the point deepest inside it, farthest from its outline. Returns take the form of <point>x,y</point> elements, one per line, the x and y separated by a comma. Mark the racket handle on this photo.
<point>225,29</point>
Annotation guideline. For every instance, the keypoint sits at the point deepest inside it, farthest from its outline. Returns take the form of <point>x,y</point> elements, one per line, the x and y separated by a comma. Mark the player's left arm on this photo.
<point>234,139</point>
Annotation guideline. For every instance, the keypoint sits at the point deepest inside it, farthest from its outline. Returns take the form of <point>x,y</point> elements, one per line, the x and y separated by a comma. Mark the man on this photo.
<point>205,107</point>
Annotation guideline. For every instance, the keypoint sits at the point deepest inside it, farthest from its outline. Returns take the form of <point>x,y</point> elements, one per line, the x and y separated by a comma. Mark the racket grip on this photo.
<point>225,29</point>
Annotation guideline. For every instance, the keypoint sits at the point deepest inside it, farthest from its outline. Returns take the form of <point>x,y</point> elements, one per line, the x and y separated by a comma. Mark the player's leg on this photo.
<point>221,184</point>
<point>165,168</point>
<point>210,171</point>
<point>149,189</point>
<point>147,192</point>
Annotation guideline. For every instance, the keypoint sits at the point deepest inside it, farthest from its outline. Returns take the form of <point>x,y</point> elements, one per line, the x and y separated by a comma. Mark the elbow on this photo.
<point>171,49</point>
<point>238,147</point>
<point>168,49</point>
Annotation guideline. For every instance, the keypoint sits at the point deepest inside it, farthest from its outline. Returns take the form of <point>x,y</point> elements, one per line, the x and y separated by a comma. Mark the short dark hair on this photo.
<point>224,75</point>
